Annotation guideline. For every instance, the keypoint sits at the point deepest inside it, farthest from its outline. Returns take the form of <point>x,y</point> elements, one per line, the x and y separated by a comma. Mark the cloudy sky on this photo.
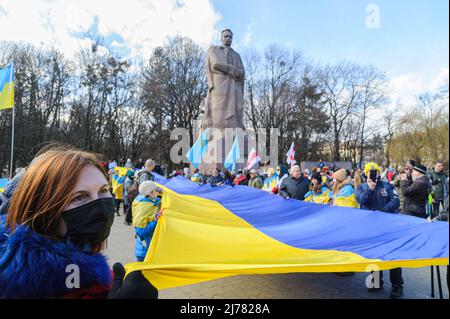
<point>406,38</point>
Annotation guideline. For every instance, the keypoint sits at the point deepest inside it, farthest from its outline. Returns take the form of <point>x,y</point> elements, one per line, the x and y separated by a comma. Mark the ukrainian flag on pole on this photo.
<point>7,87</point>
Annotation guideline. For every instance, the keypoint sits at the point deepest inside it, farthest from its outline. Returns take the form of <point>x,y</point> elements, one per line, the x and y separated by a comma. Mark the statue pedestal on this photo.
<point>217,152</point>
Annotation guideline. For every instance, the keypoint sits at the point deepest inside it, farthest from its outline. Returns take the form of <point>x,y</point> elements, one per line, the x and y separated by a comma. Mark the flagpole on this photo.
<point>12,121</point>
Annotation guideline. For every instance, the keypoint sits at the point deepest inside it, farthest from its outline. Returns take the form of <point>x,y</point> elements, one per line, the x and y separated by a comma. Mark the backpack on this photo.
<point>150,176</point>
<point>132,190</point>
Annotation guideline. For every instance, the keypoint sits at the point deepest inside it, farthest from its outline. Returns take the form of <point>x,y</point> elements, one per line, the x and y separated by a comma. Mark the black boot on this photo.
<point>397,293</point>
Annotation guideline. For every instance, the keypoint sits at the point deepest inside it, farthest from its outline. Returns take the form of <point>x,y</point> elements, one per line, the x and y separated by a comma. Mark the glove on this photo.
<point>135,285</point>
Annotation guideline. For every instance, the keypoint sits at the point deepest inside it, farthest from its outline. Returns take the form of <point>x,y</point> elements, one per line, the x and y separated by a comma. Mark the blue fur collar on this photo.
<point>32,266</point>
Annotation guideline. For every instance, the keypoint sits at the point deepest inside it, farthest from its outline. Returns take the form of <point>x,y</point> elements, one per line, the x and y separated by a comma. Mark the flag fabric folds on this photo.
<point>196,152</point>
<point>290,155</point>
<point>233,156</point>
<point>253,159</point>
<point>7,87</point>
<point>207,233</point>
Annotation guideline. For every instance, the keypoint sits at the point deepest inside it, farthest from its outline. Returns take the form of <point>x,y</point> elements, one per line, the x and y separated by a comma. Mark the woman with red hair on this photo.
<point>55,228</point>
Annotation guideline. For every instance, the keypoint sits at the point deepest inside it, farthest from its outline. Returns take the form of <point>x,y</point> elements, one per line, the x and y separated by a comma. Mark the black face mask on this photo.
<point>90,223</point>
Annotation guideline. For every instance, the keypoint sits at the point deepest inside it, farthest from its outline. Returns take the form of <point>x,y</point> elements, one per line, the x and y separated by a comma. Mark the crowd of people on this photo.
<point>66,199</point>
<point>342,187</point>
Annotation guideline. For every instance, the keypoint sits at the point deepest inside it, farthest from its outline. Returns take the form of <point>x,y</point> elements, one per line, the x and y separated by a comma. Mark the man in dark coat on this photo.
<point>294,186</point>
<point>416,194</point>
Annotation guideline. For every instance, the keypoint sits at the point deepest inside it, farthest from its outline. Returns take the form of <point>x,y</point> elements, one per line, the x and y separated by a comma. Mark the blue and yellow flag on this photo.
<point>196,152</point>
<point>207,233</point>
<point>7,87</point>
<point>3,183</point>
<point>122,171</point>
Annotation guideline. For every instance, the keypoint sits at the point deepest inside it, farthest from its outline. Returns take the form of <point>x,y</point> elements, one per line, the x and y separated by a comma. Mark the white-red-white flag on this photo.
<point>253,159</point>
<point>291,155</point>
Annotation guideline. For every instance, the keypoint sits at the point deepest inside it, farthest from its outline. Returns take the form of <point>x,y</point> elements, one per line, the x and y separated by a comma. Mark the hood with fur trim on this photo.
<point>34,266</point>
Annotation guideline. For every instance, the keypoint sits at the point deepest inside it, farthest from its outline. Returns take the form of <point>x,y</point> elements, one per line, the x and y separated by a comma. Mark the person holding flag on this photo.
<point>69,224</point>
<point>343,191</point>
<point>270,183</point>
<point>319,193</point>
<point>255,180</point>
<point>240,178</point>
<point>295,186</point>
<point>145,207</point>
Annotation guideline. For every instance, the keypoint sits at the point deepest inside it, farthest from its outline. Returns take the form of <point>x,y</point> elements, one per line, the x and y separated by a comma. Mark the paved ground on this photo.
<point>285,286</point>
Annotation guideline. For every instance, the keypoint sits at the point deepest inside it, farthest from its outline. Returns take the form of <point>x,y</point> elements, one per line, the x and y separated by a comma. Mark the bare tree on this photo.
<point>371,96</point>
<point>389,120</point>
<point>173,88</point>
<point>340,87</point>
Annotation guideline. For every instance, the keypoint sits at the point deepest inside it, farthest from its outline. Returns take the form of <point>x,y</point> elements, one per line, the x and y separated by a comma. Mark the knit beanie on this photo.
<point>340,175</point>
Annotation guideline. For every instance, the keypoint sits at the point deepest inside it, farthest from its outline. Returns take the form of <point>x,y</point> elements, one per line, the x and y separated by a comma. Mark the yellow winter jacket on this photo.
<point>144,210</point>
<point>117,186</point>
<point>346,196</point>
<point>322,198</point>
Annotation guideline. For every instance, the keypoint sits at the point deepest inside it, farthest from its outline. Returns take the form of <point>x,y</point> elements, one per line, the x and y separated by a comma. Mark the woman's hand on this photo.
<point>135,285</point>
<point>159,214</point>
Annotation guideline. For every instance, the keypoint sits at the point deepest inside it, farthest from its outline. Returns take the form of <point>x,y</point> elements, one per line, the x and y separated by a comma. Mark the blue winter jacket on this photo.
<point>383,198</point>
<point>35,266</point>
<point>5,197</point>
<point>144,233</point>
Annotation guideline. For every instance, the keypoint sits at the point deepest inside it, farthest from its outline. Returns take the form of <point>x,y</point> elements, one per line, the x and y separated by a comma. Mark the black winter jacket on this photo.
<point>415,196</point>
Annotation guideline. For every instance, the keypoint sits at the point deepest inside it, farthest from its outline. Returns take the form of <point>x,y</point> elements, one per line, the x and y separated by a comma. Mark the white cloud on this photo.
<point>143,24</point>
<point>405,88</point>
<point>249,30</point>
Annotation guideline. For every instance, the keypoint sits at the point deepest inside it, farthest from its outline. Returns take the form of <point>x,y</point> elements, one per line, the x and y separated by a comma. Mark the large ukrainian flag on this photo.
<point>7,87</point>
<point>208,233</point>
